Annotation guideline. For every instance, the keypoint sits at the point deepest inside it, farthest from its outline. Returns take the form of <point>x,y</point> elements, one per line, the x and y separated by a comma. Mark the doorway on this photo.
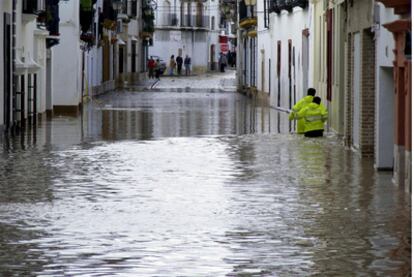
<point>7,66</point>
<point>212,57</point>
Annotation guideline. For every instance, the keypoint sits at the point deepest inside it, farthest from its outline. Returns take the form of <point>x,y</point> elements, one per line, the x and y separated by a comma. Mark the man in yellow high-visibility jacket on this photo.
<point>314,116</point>
<point>302,103</point>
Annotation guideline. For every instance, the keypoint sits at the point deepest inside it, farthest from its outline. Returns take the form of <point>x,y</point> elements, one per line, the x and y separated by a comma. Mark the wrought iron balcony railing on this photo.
<point>246,11</point>
<point>279,5</point>
<point>33,6</point>
<point>169,19</point>
<point>196,21</point>
<point>187,20</point>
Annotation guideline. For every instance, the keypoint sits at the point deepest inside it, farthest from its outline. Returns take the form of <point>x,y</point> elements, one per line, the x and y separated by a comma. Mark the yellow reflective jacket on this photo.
<point>302,103</point>
<point>314,116</point>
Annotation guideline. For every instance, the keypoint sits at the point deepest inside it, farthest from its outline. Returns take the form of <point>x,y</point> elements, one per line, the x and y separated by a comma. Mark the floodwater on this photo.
<point>193,184</point>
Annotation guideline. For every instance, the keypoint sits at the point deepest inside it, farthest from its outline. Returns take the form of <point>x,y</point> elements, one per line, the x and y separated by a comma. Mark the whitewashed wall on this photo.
<point>94,56</point>
<point>196,44</point>
<point>285,26</point>
<point>31,51</point>
<point>67,57</point>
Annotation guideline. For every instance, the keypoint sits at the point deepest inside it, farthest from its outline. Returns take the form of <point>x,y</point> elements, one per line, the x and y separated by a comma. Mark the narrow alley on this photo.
<point>193,179</point>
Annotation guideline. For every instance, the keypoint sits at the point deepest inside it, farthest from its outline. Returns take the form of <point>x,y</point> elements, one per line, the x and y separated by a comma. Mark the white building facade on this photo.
<point>67,60</point>
<point>283,53</point>
<point>105,47</point>
<point>188,28</point>
<point>27,36</point>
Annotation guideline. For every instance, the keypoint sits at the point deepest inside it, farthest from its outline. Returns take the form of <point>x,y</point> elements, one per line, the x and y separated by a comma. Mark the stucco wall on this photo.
<point>193,43</point>
<point>67,65</point>
<point>284,27</point>
<point>360,15</point>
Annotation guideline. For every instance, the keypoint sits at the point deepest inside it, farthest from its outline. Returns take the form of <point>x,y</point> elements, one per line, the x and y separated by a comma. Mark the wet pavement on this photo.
<point>193,183</point>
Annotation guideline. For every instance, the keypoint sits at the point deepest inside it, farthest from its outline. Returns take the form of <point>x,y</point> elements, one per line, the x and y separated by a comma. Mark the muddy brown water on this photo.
<point>193,184</point>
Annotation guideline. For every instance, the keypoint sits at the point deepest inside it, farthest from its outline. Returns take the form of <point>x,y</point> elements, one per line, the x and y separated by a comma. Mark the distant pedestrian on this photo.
<point>222,61</point>
<point>187,65</point>
<point>315,116</point>
<point>157,69</point>
<point>302,103</point>
<point>179,61</point>
<point>233,59</point>
<point>172,65</point>
<point>151,66</point>
<point>229,58</point>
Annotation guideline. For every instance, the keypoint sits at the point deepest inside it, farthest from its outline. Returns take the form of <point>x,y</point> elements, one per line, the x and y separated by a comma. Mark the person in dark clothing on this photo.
<point>187,64</point>
<point>179,61</point>
<point>222,62</point>
<point>157,69</point>
<point>233,58</point>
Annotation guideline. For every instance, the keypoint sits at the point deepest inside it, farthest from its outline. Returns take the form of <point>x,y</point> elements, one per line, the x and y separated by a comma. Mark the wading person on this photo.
<point>179,61</point>
<point>187,65</point>
<point>302,103</point>
<point>314,116</point>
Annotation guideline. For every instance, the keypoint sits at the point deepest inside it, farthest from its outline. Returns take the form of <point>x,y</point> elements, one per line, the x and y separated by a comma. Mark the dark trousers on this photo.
<point>179,66</point>
<point>314,134</point>
<point>222,66</point>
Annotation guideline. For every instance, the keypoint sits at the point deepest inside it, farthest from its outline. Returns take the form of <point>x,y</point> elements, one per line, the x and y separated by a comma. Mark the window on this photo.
<point>266,5</point>
<point>213,22</point>
<point>279,55</point>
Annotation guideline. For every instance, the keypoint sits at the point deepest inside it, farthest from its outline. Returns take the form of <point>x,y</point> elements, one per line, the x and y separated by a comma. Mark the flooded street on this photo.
<point>201,182</point>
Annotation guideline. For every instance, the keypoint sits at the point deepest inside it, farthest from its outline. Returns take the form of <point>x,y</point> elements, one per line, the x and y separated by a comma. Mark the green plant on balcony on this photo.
<point>148,18</point>
<point>148,14</point>
<point>148,28</point>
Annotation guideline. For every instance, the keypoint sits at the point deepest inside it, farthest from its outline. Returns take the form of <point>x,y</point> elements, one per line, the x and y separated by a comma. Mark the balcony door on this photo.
<point>182,13</point>
<point>199,17</point>
<point>167,16</point>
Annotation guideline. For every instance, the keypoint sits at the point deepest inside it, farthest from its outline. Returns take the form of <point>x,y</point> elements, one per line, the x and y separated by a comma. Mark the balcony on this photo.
<point>52,19</point>
<point>169,19</point>
<point>247,16</point>
<point>33,6</point>
<point>196,21</point>
<point>278,5</point>
<point>400,6</point>
<point>187,21</point>
<point>133,9</point>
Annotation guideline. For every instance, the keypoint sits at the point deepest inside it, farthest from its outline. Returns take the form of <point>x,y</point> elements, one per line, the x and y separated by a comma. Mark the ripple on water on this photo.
<point>268,205</point>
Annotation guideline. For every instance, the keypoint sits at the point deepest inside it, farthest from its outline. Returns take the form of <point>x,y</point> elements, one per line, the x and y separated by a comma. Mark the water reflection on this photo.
<point>150,115</point>
<point>193,184</point>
